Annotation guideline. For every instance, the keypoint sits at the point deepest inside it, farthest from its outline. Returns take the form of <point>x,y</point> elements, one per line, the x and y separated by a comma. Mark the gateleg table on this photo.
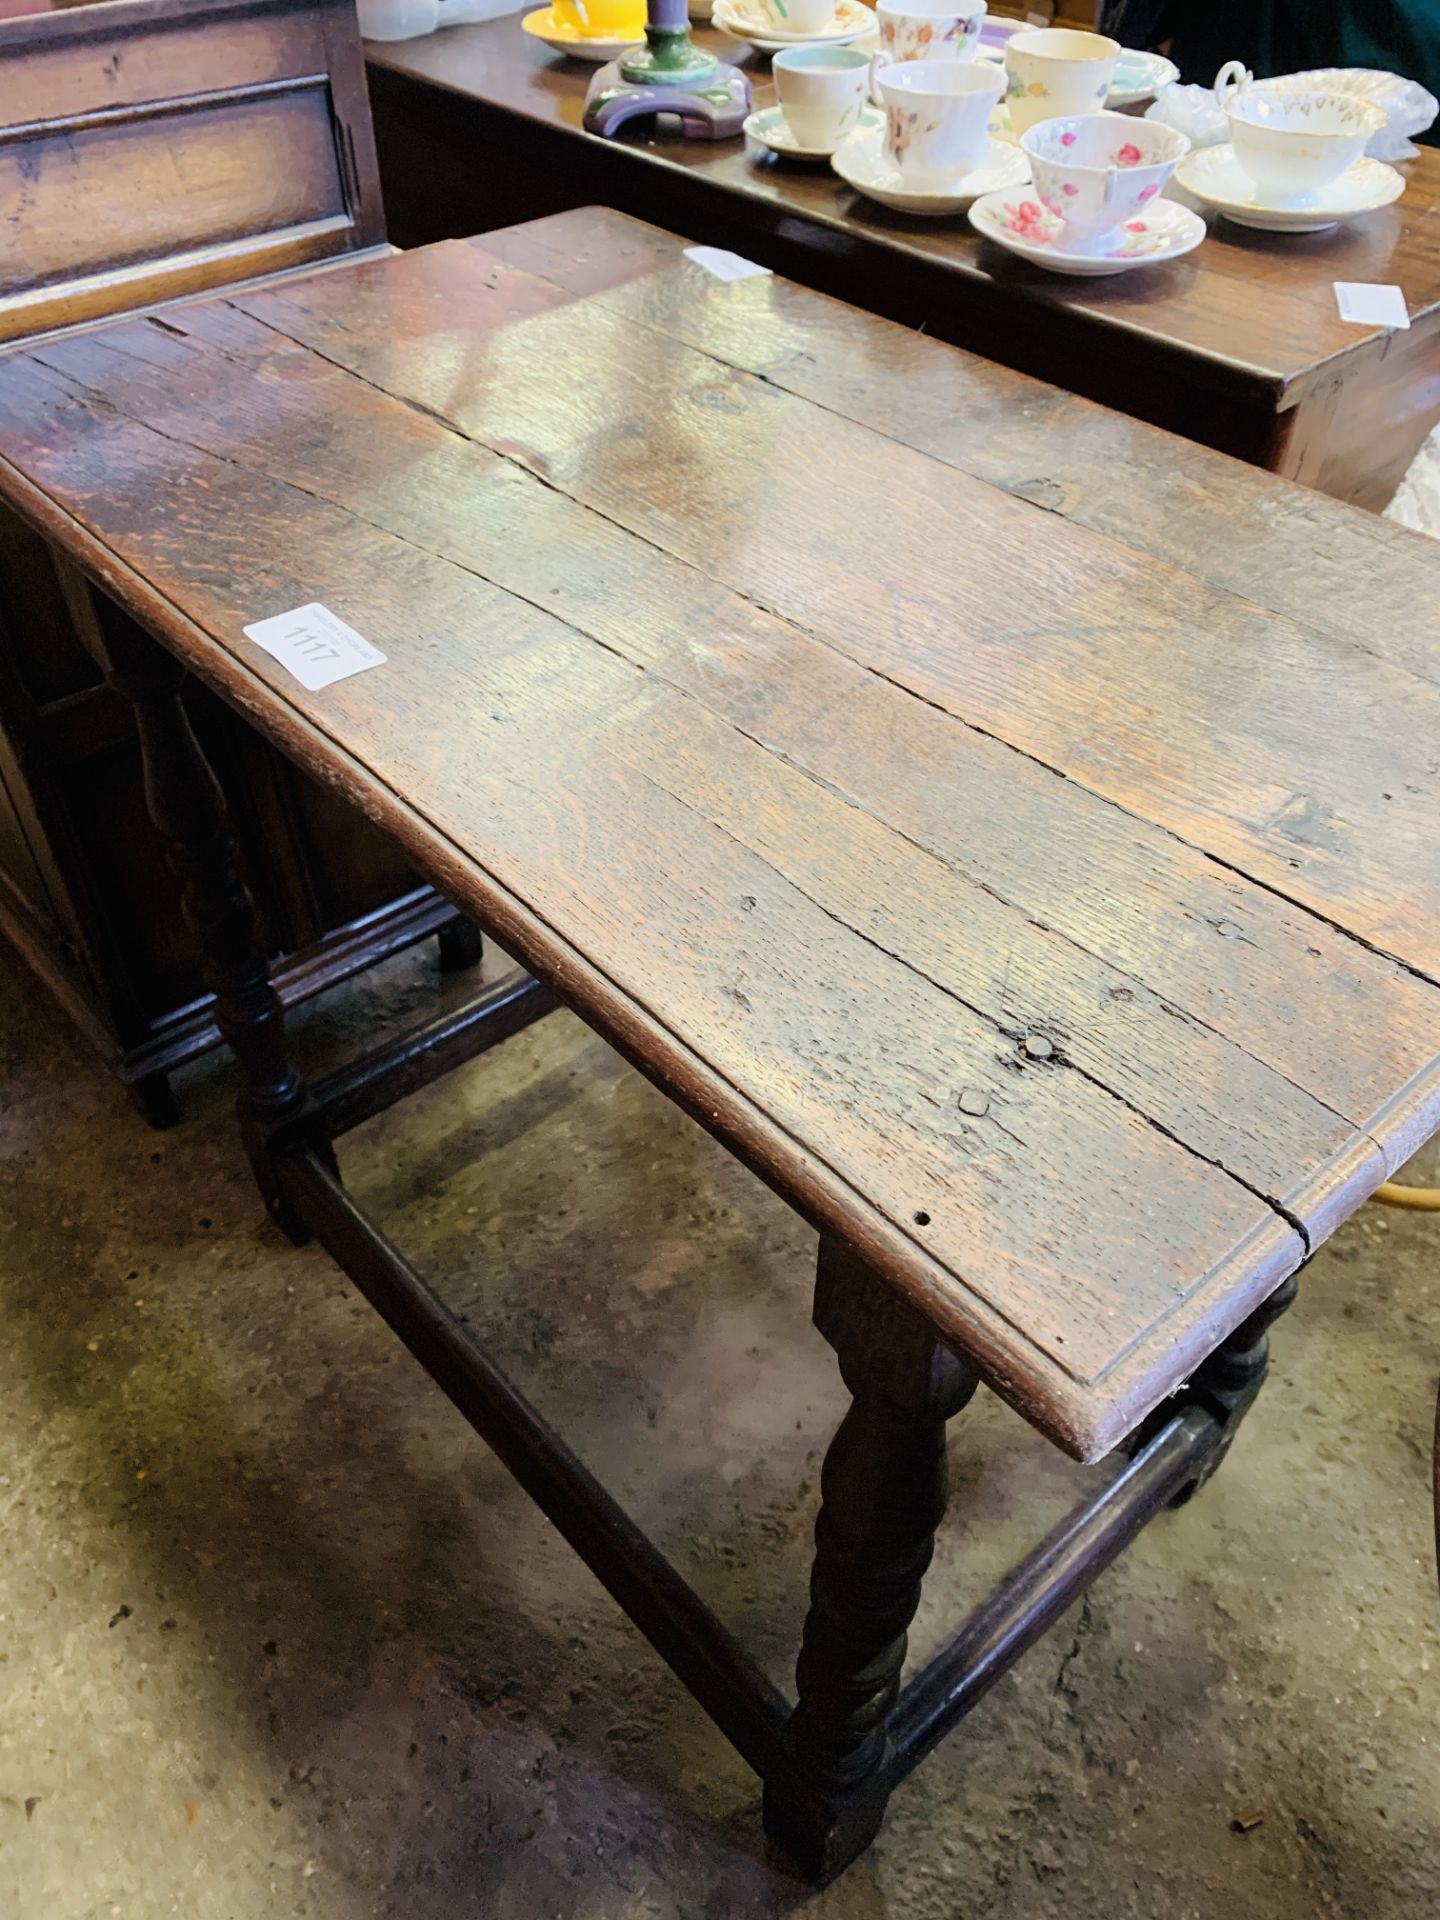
<point>1008,828</point>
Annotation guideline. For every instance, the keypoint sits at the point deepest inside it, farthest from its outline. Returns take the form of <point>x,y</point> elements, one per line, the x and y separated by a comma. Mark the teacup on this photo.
<point>928,30</point>
<point>1058,70</point>
<point>937,116</point>
<point>1288,142</point>
<point>602,19</point>
<point>796,16</point>
<point>1099,169</point>
<point>822,92</point>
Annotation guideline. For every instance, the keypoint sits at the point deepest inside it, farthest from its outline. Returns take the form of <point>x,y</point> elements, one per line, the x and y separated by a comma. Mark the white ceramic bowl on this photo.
<point>1290,143</point>
<point>1097,170</point>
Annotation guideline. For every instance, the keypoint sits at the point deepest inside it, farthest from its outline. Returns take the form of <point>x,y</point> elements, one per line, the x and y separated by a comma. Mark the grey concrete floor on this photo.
<point>278,1637</point>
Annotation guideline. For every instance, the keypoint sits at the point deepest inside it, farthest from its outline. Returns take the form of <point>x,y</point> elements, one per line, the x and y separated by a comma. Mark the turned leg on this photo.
<point>188,808</point>
<point>153,1098</point>
<point>883,1493</point>
<point>1229,1382</point>
<point>461,944</point>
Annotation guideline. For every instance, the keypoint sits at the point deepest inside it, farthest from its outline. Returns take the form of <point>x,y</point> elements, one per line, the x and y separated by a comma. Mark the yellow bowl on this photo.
<point>601,19</point>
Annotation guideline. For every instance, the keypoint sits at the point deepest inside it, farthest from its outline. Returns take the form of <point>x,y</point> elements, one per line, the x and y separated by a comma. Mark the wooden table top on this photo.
<point>1009,827</point>
<point>1248,311</point>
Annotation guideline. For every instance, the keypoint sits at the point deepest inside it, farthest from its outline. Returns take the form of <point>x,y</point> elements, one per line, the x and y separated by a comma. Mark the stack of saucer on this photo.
<point>596,30</point>
<point>771,25</point>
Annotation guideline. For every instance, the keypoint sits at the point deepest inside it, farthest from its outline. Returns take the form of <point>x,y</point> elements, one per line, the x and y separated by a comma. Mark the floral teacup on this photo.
<point>937,117</point>
<point>1096,170</point>
<point>1288,142</point>
<point>927,30</point>
<point>1056,70</point>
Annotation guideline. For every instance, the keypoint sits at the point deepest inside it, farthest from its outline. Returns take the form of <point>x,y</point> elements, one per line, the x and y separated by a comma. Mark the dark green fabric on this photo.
<point>1287,36</point>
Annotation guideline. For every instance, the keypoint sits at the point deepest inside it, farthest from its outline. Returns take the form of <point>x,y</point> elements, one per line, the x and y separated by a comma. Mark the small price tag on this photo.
<point>1371,305</point>
<point>314,646</point>
<point>724,266</point>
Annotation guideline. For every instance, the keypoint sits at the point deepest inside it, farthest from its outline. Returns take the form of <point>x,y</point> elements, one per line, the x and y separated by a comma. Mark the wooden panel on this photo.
<point>996,887</point>
<point>154,148</point>
<point>246,167</point>
<point>152,52</point>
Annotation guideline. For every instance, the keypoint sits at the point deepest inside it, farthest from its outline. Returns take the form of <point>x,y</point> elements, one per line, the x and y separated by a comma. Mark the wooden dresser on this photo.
<point>152,149</point>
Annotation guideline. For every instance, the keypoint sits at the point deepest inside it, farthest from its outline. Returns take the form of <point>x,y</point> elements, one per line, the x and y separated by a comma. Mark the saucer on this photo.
<point>1018,222</point>
<point>557,34</point>
<point>848,22</point>
<point>1139,76</point>
<point>1214,175</point>
<point>862,162</point>
<point>769,128</point>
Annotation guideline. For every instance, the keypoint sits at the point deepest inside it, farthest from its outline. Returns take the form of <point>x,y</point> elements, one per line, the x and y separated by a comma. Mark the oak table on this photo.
<point>1007,827</point>
<point>1238,346</point>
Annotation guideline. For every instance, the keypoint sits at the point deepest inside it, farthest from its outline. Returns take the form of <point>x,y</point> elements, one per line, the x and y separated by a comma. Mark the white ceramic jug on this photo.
<point>409,19</point>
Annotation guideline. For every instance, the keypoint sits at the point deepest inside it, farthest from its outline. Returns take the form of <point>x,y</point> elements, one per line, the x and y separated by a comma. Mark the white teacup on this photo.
<point>937,116</point>
<point>1288,142</point>
<point>822,92</point>
<point>1057,70</point>
<point>1099,169</point>
<point>797,16</point>
<point>927,30</point>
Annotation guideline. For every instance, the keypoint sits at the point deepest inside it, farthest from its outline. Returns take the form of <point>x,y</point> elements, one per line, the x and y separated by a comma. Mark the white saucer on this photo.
<point>734,18</point>
<point>1214,175</point>
<point>769,128</point>
<point>544,25</point>
<point>1139,76</point>
<point>862,162</point>
<point>1164,231</point>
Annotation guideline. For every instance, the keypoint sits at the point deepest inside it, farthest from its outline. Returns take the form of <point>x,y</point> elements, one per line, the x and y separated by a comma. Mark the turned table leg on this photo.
<point>461,944</point>
<point>187,806</point>
<point>883,1493</point>
<point>1229,1381</point>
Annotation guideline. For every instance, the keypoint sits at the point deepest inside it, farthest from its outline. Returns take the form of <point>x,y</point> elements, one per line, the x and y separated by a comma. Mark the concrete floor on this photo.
<point>277,1637</point>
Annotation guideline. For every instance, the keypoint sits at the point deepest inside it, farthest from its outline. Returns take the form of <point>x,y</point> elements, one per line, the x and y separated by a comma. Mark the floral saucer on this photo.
<point>1020,224</point>
<point>1215,176</point>
<point>1139,76</point>
<point>862,162</point>
<point>545,24</point>
<point>769,128</point>
<point>741,20</point>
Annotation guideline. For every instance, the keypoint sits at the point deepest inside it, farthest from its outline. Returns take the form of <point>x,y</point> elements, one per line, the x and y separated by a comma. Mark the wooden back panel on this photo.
<point>151,148</point>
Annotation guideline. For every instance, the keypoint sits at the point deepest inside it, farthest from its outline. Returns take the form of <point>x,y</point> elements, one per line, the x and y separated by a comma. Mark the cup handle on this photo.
<point>1230,79</point>
<point>880,58</point>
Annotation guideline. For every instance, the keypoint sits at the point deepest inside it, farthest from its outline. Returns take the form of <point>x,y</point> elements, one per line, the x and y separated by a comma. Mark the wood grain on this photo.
<point>941,853</point>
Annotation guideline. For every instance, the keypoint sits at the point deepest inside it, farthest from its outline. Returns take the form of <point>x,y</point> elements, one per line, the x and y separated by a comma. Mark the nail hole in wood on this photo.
<point>922,1219</point>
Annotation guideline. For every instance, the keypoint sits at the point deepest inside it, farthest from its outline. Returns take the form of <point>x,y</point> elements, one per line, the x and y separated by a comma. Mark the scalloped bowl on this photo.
<point>1096,170</point>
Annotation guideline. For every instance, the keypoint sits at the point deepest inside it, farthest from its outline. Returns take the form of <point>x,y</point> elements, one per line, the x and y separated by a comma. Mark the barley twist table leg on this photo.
<point>883,1493</point>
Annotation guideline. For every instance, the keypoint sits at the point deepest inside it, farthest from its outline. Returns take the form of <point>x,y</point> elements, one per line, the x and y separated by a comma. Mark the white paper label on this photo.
<point>1371,305</point>
<point>724,266</point>
<point>315,646</point>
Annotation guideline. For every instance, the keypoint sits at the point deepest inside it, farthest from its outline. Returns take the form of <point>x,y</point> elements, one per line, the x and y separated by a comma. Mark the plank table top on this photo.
<point>1239,345</point>
<point>1010,828</point>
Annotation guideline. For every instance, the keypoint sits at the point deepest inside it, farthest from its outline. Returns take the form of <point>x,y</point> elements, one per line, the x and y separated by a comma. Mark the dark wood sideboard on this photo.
<point>149,150</point>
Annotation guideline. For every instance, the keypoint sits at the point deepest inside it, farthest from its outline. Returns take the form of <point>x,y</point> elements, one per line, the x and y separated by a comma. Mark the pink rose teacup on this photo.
<point>1098,170</point>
